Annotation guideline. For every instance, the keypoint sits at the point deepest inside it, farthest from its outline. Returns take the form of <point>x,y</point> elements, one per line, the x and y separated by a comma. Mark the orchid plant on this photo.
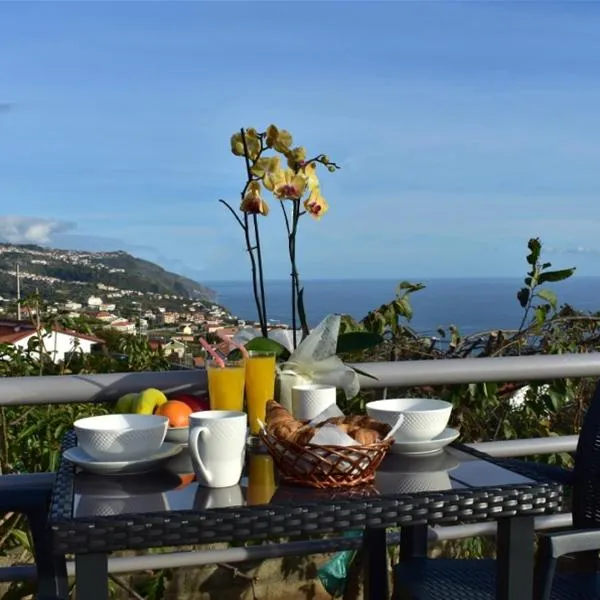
<point>295,187</point>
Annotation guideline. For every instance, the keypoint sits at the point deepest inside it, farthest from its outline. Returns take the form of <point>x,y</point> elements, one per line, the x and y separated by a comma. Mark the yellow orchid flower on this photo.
<point>253,203</point>
<point>266,166</point>
<point>252,143</point>
<point>278,139</point>
<point>310,172</point>
<point>285,184</point>
<point>316,206</point>
<point>296,157</point>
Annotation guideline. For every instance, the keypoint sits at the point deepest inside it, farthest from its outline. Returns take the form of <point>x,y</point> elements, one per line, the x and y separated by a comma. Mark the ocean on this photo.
<point>472,305</point>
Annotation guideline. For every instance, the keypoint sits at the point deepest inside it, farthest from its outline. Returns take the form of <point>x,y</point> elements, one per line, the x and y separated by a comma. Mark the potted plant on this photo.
<point>274,167</point>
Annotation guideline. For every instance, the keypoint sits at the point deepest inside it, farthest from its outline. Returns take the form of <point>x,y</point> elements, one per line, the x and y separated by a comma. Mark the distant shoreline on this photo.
<point>471,304</point>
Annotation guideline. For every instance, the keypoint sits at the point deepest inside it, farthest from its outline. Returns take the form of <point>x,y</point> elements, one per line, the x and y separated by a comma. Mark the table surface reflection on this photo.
<point>173,488</point>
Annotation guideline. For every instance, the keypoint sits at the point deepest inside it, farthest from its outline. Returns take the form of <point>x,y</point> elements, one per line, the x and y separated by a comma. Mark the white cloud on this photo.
<point>30,230</point>
<point>574,250</point>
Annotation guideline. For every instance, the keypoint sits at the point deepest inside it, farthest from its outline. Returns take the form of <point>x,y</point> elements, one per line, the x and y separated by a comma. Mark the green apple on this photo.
<point>126,403</point>
<point>148,400</point>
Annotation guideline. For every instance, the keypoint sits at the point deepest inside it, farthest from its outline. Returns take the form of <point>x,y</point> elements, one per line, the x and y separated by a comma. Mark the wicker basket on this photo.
<point>326,466</point>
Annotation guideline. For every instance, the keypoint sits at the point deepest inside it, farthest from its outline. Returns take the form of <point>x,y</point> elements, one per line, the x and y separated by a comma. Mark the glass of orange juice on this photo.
<point>226,384</point>
<point>261,479</point>
<point>260,386</point>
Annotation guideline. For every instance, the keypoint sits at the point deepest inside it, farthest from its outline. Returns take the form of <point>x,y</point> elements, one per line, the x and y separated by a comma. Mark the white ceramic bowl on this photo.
<point>178,435</point>
<point>121,437</point>
<point>424,418</point>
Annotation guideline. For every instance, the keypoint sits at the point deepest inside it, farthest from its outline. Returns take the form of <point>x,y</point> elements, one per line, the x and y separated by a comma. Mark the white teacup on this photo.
<point>217,443</point>
<point>310,400</point>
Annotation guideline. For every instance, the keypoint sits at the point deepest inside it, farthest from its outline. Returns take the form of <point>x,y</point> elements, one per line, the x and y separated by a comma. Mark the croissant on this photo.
<point>362,435</point>
<point>366,436</point>
<point>364,422</point>
<point>281,424</point>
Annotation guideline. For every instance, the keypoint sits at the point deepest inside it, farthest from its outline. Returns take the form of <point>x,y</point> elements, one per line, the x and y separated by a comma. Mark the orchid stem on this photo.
<point>261,279</point>
<point>263,326</point>
<point>257,282</point>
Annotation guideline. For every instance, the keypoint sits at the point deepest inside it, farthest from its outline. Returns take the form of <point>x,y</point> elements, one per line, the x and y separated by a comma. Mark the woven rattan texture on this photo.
<point>326,466</point>
<point>475,580</point>
<point>306,516</point>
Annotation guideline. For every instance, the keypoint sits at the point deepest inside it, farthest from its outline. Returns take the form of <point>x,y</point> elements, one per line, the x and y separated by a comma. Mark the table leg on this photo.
<point>91,576</point>
<point>51,569</point>
<point>375,564</point>
<point>413,542</point>
<point>516,555</point>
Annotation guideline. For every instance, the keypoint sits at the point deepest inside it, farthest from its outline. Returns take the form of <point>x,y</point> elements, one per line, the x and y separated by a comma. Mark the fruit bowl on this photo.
<point>178,435</point>
<point>121,437</point>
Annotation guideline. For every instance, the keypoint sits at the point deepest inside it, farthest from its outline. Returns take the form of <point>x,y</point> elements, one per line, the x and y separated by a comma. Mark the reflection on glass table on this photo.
<point>175,488</point>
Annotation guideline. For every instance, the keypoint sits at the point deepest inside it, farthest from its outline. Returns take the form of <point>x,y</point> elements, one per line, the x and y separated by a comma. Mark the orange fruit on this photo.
<point>177,412</point>
<point>185,479</point>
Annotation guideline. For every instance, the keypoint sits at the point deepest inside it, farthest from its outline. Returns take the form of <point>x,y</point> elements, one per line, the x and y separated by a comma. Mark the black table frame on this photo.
<point>92,539</point>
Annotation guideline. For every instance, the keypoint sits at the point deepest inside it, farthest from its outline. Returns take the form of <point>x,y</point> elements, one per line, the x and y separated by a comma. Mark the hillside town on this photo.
<point>168,329</point>
<point>109,293</point>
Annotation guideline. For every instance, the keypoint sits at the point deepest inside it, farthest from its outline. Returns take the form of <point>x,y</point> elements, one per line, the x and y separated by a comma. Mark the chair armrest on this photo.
<point>22,492</point>
<point>570,542</point>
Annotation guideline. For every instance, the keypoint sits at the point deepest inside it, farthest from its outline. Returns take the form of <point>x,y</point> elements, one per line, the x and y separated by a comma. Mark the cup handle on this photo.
<point>193,446</point>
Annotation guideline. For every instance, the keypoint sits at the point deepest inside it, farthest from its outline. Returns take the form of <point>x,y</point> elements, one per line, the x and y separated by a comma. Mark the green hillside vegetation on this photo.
<point>81,272</point>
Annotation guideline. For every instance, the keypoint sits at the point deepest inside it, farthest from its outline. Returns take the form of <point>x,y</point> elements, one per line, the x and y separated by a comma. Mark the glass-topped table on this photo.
<point>94,515</point>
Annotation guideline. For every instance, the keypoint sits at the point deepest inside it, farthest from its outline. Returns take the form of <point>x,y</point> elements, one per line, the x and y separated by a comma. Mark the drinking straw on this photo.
<point>231,341</point>
<point>212,352</point>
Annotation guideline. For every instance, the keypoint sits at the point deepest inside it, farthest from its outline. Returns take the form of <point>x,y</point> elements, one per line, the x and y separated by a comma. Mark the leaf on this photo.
<point>535,248</point>
<point>554,276</point>
<point>364,373</point>
<point>549,296</point>
<point>235,354</point>
<point>22,538</point>
<point>403,308</point>
<point>355,341</point>
<point>302,313</point>
<point>540,314</point>
<point>409,287</point>
<point>261,344</point>
<point>557,399</point>
<point>523,297</point>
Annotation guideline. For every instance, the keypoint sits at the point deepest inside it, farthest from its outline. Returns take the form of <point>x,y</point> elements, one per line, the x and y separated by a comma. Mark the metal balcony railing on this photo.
<point>109,387</point>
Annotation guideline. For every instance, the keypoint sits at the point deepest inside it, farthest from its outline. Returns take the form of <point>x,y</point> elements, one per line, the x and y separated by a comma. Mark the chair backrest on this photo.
<point>586,472</point>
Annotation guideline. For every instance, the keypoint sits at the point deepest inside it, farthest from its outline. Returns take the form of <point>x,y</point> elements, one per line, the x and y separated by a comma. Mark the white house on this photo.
<point>107,317</point>
<point>94,301</point>
<point>57,342</point>
<point>72,306</point>
<point>123,325</point>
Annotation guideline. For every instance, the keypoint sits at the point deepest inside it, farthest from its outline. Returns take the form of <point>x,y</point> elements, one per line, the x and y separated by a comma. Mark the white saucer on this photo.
<point>427,446</point>
<point>142,465</point>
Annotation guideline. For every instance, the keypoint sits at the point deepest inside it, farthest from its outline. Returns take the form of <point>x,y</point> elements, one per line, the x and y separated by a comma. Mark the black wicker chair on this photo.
<point>448,579</point>
<point>30,495</point>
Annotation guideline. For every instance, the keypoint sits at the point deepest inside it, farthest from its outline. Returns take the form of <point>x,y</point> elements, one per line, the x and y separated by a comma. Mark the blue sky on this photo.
<point>462,129</point>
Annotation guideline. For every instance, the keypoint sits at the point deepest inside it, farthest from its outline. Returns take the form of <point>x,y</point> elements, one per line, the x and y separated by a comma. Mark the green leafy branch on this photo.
<point>537,276</point>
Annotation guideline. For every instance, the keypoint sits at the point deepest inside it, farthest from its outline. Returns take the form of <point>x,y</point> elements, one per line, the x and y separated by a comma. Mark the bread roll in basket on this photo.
<point>324,466</point>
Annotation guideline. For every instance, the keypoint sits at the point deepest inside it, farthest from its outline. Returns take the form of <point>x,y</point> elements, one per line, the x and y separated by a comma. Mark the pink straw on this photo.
<point>231,341</point>
<point>212,352</point>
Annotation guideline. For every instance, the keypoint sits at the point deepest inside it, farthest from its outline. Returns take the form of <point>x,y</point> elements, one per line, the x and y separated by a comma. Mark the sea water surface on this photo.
<point>472,305</point>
